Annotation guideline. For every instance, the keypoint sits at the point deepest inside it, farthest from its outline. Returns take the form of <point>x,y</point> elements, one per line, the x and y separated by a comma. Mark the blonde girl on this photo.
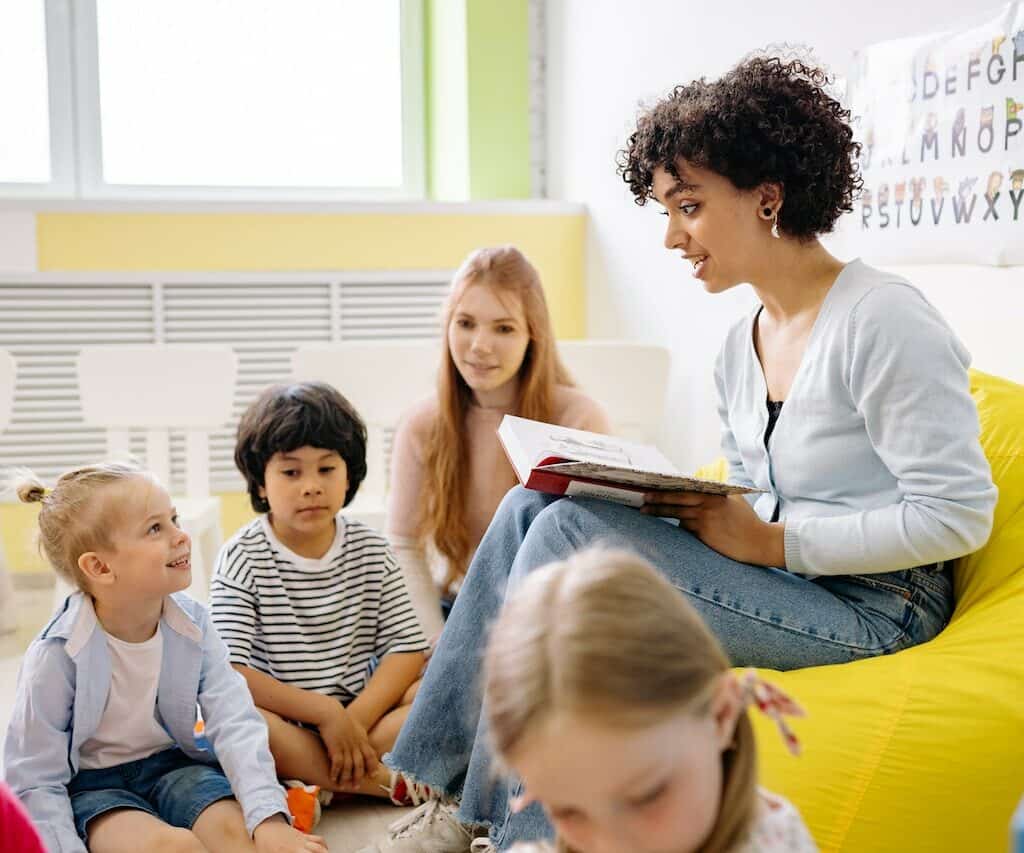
<point>101,747</point>
<point>614,704</point>
<point>448,471</point>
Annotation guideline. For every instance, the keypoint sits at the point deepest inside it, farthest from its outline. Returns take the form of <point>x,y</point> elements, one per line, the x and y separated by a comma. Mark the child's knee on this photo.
<point>222,825</point>
<point>175,840</point>
<point>410,695</point>
<point>381,741</point>
<point>274,721</point>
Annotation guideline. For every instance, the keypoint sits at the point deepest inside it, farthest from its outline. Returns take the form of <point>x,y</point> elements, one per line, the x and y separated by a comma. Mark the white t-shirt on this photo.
<point>128,729</point>
<point>778,828</point>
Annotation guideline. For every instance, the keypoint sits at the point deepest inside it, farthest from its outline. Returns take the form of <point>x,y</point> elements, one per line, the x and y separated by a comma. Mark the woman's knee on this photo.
<point>565,523</point>
<point>520,501</point>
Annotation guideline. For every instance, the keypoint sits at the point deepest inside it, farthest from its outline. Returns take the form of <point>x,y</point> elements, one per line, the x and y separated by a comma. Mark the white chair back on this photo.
<point>630,380</point>
<point>381,379</point>
<point>8,374</point>
<point>157,388</point>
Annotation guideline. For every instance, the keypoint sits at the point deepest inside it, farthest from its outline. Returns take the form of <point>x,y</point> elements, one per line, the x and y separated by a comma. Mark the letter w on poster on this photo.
<point>941,121</point>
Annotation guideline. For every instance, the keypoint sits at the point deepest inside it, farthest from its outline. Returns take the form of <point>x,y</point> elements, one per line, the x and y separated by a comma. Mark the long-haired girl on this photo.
<point>448,471</point>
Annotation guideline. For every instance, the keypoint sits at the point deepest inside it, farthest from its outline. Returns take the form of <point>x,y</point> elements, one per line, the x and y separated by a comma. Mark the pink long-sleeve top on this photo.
<point>488,471</point>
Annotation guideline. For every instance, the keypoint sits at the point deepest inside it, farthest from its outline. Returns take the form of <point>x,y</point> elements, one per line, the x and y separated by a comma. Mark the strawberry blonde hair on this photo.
<point>509,273</point>
<point>582,637</point>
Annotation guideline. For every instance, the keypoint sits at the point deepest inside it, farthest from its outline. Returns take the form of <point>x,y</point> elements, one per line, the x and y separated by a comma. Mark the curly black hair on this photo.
<point>287,417</point>
<point>765,121</point>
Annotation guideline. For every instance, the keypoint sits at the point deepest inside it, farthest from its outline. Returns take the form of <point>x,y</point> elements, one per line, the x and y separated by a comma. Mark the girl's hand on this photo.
<point>725,523</point>
<point>275,835</point>
<point>348,747</point>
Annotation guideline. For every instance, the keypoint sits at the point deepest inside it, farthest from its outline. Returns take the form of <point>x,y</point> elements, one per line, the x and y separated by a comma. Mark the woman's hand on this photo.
<point>727,524</point>
<point>275,835</point>
<point>348,747</point>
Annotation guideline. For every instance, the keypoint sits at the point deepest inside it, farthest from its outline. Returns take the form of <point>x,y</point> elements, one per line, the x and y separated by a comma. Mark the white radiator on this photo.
<point>46,317</point>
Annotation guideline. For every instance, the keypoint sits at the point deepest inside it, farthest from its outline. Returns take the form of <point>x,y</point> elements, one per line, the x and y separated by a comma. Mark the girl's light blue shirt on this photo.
<point>875,459</point>
<point>62,691</point>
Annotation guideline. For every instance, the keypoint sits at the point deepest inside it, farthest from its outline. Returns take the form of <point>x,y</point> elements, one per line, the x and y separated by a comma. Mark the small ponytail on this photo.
<point>28,487</point>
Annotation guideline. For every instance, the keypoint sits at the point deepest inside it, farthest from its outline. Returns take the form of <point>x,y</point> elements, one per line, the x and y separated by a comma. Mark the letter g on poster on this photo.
<point>940,118</point>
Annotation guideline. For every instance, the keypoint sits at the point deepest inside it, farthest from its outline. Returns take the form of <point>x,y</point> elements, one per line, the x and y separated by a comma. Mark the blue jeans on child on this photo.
<point>763,617</point>
<point>168,785</point>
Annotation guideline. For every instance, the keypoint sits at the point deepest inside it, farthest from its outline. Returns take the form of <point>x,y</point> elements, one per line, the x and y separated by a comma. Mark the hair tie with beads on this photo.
<point>775,703</point>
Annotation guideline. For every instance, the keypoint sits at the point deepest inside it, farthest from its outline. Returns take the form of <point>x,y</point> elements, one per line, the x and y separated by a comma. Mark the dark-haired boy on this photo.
<point>313,606</point>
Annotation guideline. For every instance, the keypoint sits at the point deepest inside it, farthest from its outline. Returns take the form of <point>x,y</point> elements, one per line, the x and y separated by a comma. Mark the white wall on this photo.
<point>17,241</point>
<point>604,58</point>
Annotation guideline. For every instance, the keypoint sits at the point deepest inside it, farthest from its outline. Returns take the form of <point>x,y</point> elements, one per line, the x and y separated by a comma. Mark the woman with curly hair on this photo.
<point>843,397</point>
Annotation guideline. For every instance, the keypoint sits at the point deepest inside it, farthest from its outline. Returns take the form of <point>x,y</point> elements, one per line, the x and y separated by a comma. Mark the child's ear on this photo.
<point>95,569</point>
<point>726,707</point>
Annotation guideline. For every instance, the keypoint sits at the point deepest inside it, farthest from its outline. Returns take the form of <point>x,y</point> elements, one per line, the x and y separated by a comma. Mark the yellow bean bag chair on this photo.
<point>923,750</point>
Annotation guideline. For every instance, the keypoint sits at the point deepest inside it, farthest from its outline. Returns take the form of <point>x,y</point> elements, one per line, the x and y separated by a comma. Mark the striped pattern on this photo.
<point>317,625</point>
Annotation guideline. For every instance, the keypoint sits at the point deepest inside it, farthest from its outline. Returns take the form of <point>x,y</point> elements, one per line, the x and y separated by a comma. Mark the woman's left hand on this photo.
<point>725,523</point>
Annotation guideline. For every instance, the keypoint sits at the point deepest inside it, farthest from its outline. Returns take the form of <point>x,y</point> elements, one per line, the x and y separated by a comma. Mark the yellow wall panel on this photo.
<point>290,241</point>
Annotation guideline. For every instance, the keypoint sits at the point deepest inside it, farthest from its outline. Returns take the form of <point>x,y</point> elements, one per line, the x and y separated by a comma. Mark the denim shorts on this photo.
<point>168,785</point>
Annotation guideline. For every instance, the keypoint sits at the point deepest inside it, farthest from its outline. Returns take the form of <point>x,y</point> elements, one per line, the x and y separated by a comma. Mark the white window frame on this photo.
<point>60,93</point>
<point>76,155</point>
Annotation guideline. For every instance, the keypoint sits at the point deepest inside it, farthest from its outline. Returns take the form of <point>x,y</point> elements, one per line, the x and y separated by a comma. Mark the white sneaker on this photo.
<point>484,845</point>
<point>431,828</point>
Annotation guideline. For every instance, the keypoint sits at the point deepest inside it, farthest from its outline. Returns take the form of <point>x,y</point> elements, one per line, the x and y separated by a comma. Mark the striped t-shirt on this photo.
<point>315,624</point>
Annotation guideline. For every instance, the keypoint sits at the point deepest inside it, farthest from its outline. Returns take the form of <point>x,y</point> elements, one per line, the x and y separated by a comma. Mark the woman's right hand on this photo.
<point>348,747</point>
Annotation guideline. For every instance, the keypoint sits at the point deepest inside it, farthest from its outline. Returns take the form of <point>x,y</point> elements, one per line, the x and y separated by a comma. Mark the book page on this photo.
<point>651,480</point>
<point>535,442</point>
<point>597,449</point>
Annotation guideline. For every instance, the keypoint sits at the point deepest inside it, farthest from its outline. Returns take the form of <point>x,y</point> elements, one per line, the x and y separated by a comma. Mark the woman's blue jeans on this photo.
<point>763,617</point>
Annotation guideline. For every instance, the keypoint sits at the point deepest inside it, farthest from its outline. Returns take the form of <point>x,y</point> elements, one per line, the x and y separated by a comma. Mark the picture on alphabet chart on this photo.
<point>940,120</point>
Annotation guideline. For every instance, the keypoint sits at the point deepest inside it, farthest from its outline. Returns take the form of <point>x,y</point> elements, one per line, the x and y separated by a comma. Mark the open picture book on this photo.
<point>564,461</point>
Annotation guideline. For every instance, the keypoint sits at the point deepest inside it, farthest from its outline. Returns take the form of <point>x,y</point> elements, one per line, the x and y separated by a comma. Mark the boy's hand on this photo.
<point>348,747</point>
<point>275,835</point>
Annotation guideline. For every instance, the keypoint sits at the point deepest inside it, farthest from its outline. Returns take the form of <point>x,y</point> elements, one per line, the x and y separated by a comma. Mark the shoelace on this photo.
<point>419,817</point>
<point>415,791</point>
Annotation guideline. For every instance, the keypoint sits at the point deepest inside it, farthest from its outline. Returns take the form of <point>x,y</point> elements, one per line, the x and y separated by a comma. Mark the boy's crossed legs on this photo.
<point>300,752</point>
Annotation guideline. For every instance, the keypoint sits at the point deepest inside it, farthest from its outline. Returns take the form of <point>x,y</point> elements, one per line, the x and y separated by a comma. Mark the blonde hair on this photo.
<point>72,520</point>
<point>507,270</point>
<point>605,634</point>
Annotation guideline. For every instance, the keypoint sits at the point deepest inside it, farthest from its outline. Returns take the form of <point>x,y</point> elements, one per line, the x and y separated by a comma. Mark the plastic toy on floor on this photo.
<point>305,802</point>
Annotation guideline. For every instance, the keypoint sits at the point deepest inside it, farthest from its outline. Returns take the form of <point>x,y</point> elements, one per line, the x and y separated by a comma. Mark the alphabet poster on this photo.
<point>941,121</point>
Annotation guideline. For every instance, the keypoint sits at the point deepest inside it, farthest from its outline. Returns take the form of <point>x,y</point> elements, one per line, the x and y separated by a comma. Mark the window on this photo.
<point>216,99</point>
<point>35,144</point>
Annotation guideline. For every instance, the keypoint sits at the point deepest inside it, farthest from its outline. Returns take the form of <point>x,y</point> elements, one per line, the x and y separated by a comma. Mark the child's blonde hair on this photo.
<point>72,521</point>
<point>604,634</point>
